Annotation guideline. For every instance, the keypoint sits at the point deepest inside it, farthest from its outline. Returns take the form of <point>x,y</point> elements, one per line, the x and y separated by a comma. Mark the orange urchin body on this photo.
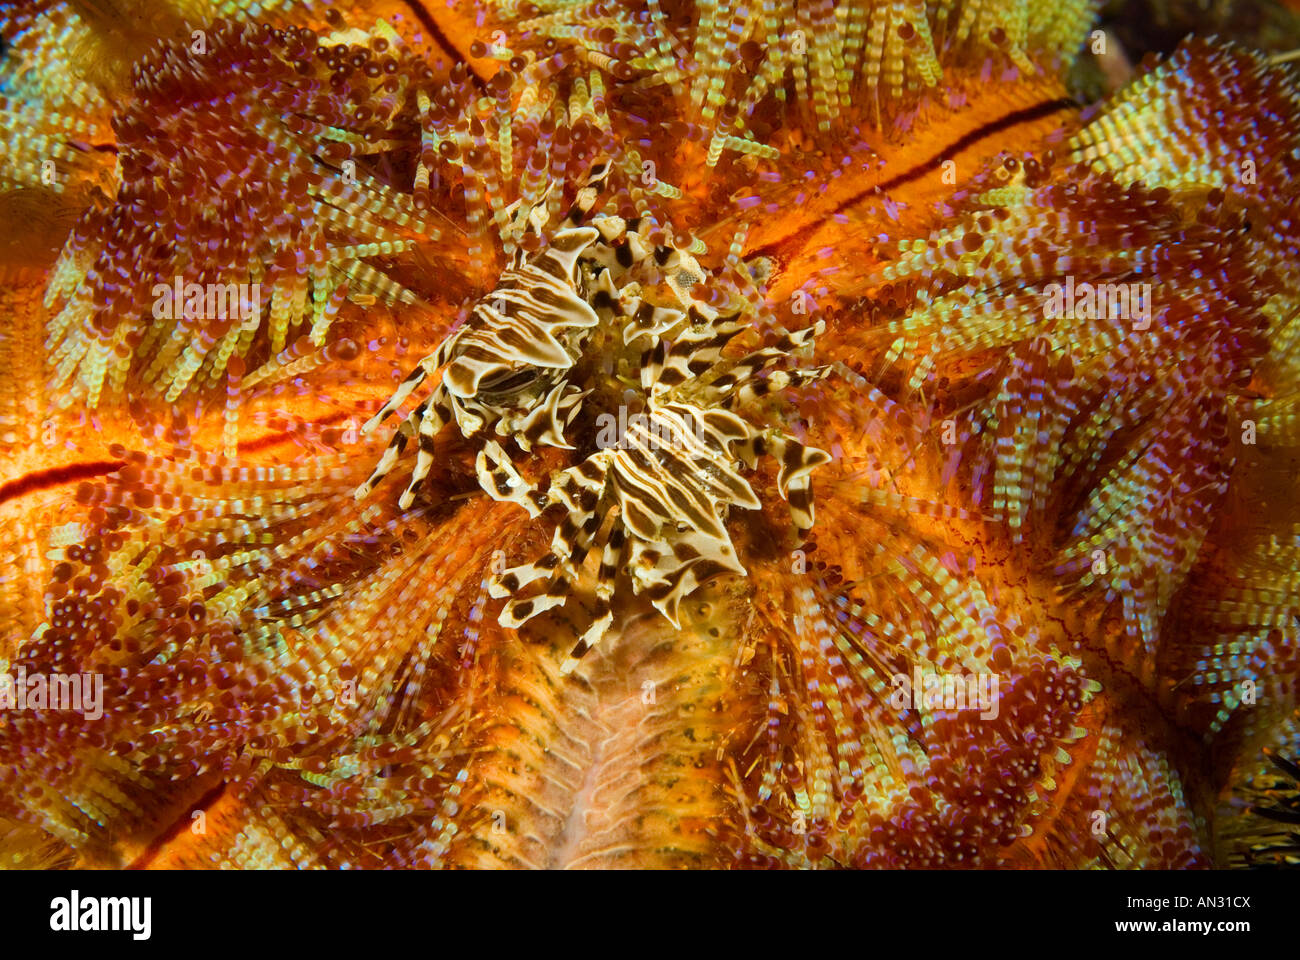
<point>1058,514</point>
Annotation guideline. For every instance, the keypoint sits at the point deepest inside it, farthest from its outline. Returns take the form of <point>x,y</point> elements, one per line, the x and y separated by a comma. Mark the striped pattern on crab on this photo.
<point>675,474</point>
<point>505,369</point>
<point>671,481</point>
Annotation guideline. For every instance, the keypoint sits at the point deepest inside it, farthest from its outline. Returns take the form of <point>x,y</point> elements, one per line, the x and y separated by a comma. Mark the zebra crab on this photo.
<point>655,502</point>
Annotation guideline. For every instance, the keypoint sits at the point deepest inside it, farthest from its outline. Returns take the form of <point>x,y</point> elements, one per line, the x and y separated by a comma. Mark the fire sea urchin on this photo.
<point>642,434</point>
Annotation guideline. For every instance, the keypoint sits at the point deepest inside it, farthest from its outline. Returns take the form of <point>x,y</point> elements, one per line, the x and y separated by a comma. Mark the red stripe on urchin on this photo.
<point>783,248</point>
<point>439,36</point>
<point>177,827</point>
<point>55,476</point>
